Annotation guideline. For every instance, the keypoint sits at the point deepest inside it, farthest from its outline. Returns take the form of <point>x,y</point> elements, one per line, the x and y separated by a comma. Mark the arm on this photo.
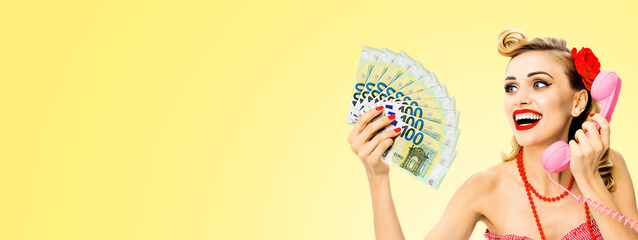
<point>369,151</point>
<point>624,194</point>
<point>584,165</point>
<point>463,210</point>
<point>386,221</point>
<point>458,220</point>
<point>621,200</point>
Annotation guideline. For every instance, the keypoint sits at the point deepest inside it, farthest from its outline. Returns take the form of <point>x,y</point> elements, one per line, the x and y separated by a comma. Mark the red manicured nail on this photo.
<point>379,108</point>
<point>397,129</point>
<point>591,115</point>
<point>391,117</point>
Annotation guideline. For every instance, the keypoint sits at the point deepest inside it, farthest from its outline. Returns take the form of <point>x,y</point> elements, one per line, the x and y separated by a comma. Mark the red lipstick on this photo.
<point>528,126</point>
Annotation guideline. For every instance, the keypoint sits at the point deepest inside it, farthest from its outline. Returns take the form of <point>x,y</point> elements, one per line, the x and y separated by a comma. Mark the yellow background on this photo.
<point>226,120</point>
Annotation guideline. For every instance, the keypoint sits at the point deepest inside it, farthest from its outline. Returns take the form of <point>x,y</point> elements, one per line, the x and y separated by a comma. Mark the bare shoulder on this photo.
<point>617,158</point>
<point>490,177</point>
<point>481,185</point>
<point>619,171</point>
<point>624,193</point>
<point>467,205</point>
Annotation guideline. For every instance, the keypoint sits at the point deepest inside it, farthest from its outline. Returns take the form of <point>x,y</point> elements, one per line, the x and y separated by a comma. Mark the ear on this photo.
<point>580,102</point>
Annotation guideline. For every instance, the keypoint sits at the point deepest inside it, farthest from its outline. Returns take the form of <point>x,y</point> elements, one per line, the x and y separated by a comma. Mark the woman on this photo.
<point>546,100</point>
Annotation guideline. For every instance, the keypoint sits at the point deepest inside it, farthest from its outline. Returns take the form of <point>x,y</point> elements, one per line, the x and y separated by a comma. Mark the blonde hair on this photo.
<point>513,42</point>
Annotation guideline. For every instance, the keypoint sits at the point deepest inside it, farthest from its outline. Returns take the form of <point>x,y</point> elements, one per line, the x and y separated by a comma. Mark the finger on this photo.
<point>384,145</point>
<point>594,136</point>
<point>368,147</point>
<point>578,137</point>
<point>583,142</point>
<point>604,128</point>
<point>575,149</point>
<point>363,120</point>
<point>376,126</point>
<point>372,144</point>
<point>365,150</point>
<point>386,134</point>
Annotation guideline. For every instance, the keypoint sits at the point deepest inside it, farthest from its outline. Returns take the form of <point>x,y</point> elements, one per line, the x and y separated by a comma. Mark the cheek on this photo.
<point>507,106</point>
<point>550,100</point>
<point>555,107</point>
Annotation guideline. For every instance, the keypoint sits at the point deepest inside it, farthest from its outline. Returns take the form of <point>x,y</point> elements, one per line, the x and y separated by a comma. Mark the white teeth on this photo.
<point>527,116</point>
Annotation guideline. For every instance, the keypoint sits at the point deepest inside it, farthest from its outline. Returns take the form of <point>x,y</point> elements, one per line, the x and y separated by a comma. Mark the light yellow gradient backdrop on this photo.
<point>226,120</point>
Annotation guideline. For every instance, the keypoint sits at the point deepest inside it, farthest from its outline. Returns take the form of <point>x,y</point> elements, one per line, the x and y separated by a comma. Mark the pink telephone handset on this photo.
<point>605,90</point>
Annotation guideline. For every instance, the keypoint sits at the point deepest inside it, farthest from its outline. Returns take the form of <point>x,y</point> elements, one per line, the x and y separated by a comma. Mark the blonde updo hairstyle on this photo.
<point>513,42</point>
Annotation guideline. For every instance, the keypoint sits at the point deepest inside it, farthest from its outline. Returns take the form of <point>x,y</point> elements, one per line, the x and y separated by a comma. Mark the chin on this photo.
<point>527,140</point>
<point>530,139</point>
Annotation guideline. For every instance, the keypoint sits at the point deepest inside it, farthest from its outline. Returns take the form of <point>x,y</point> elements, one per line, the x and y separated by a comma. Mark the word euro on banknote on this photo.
<point>419,155</point>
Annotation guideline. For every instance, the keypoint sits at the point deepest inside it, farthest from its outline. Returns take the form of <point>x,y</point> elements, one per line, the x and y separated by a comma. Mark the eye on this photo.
<point>540,84</point>
<point>510,88</point>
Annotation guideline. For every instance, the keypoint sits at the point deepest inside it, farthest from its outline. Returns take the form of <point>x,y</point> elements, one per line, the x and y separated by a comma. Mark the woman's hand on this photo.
<point>590,149</point>
<point>370,150</point>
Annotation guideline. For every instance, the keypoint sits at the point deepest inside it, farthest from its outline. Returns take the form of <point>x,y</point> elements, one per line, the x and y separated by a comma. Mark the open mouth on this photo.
<point>525,119</point>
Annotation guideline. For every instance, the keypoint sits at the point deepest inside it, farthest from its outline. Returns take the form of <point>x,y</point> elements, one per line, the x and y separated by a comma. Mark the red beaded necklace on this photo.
<point>529,189</point>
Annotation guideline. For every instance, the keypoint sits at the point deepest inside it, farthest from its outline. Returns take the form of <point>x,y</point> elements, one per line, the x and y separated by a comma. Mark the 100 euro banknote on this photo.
<point>424,112</point>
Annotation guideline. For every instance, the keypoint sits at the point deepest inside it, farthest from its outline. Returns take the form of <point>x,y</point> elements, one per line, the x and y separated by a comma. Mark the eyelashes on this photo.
<point>537,84</point>
<point>541,82</point>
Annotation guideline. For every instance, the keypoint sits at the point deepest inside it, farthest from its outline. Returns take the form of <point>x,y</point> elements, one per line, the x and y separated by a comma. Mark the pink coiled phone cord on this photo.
<point>582,199</point>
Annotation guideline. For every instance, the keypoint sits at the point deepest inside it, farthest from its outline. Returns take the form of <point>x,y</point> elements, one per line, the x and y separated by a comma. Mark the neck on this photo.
<point>537,174</point>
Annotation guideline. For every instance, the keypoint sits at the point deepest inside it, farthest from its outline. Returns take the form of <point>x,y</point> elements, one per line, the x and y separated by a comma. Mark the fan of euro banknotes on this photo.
<point>425,113</point>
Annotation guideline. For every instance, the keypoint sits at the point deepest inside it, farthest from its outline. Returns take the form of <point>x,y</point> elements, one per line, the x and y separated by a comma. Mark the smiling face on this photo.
<point>539,101</point>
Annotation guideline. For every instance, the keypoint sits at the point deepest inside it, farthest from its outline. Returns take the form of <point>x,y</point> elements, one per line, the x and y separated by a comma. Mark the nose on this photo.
<point>523,96</point>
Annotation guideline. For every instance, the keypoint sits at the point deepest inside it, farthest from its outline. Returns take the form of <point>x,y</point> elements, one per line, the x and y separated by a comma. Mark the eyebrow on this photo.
<point>529,75</point>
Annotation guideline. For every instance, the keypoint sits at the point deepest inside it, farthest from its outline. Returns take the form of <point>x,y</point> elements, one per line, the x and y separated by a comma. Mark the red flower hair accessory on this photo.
<point>587,65</point>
